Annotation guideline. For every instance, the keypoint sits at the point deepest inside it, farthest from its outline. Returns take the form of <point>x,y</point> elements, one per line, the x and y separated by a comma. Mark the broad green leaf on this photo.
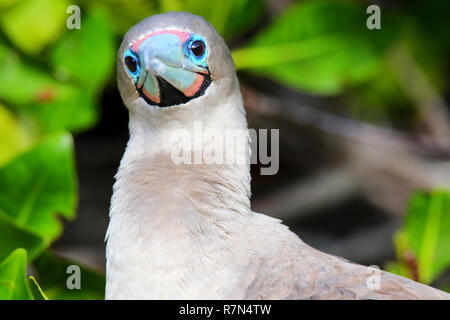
<point>23,83</point>
<point>32,25</point>
<point>318,46</point>
<point>38,293</point>
<point>54,105</point>
<point>86,55</point>
<point>13,277</point>
<point>7,3</point>
<point>38,185</point>
<point>75,112</point>
<point>13,137</point>
<point>52,275</point>
<point>13,236</point>
<point>427,230</point>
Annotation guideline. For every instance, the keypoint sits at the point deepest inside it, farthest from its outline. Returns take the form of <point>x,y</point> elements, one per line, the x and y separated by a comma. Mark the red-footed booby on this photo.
<point>186,231</point>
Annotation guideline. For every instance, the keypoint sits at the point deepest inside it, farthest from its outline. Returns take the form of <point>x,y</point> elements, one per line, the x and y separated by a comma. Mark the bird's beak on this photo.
<point>163,57</point>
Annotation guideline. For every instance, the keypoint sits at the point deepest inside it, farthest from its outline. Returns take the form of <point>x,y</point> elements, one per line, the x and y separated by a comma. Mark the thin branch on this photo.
<point>332,124</point>
<point>432,108</point>
<point>306,196</point>
<point>388,164</point>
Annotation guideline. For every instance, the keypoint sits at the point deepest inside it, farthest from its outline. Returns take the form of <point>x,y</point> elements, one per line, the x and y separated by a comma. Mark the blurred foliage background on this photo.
<point>363,117</point>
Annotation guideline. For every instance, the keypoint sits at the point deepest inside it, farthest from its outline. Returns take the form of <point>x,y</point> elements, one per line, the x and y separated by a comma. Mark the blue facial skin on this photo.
<point>201,61</point>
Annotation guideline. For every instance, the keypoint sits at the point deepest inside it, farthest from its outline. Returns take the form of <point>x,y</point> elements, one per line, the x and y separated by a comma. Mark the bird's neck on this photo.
<point>167,217</point>
<point>154,192</point>
<point>172,223</point>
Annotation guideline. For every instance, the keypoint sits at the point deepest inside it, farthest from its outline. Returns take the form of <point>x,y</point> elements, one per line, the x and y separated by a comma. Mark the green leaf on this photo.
<point>427,232</point>
<point>36,290</point>
<point>318,46</point>
<point>122,13</point>
<point>13,278</point>
<point>229,17</point>
<point>86,55</point>
<point>171,5</point>
<point>31,25</point>
<point>52,271</point>
<point>22,83</point>
<point>40,183</point>
<point>76,111</point>
<point>13,137</point>
<point>54,105</point>
<point>7,3</point>
<point>13,236</point>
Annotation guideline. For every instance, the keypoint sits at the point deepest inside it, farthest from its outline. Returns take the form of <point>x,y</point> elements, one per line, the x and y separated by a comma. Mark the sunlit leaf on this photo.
<point>53,104</point>
<point>13,278</point>
<point>31,25</point>
<point>76,111</point>
<point>13,137</point>
<point>21,83</point>
<point>38,185</point>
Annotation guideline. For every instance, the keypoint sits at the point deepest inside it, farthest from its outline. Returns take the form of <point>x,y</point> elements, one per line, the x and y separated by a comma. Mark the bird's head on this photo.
<point>173,60</point>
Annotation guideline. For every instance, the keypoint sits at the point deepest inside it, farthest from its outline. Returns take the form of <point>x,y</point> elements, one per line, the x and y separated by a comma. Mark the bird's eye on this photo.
<point>131,63</point>
<point>198,48</point>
